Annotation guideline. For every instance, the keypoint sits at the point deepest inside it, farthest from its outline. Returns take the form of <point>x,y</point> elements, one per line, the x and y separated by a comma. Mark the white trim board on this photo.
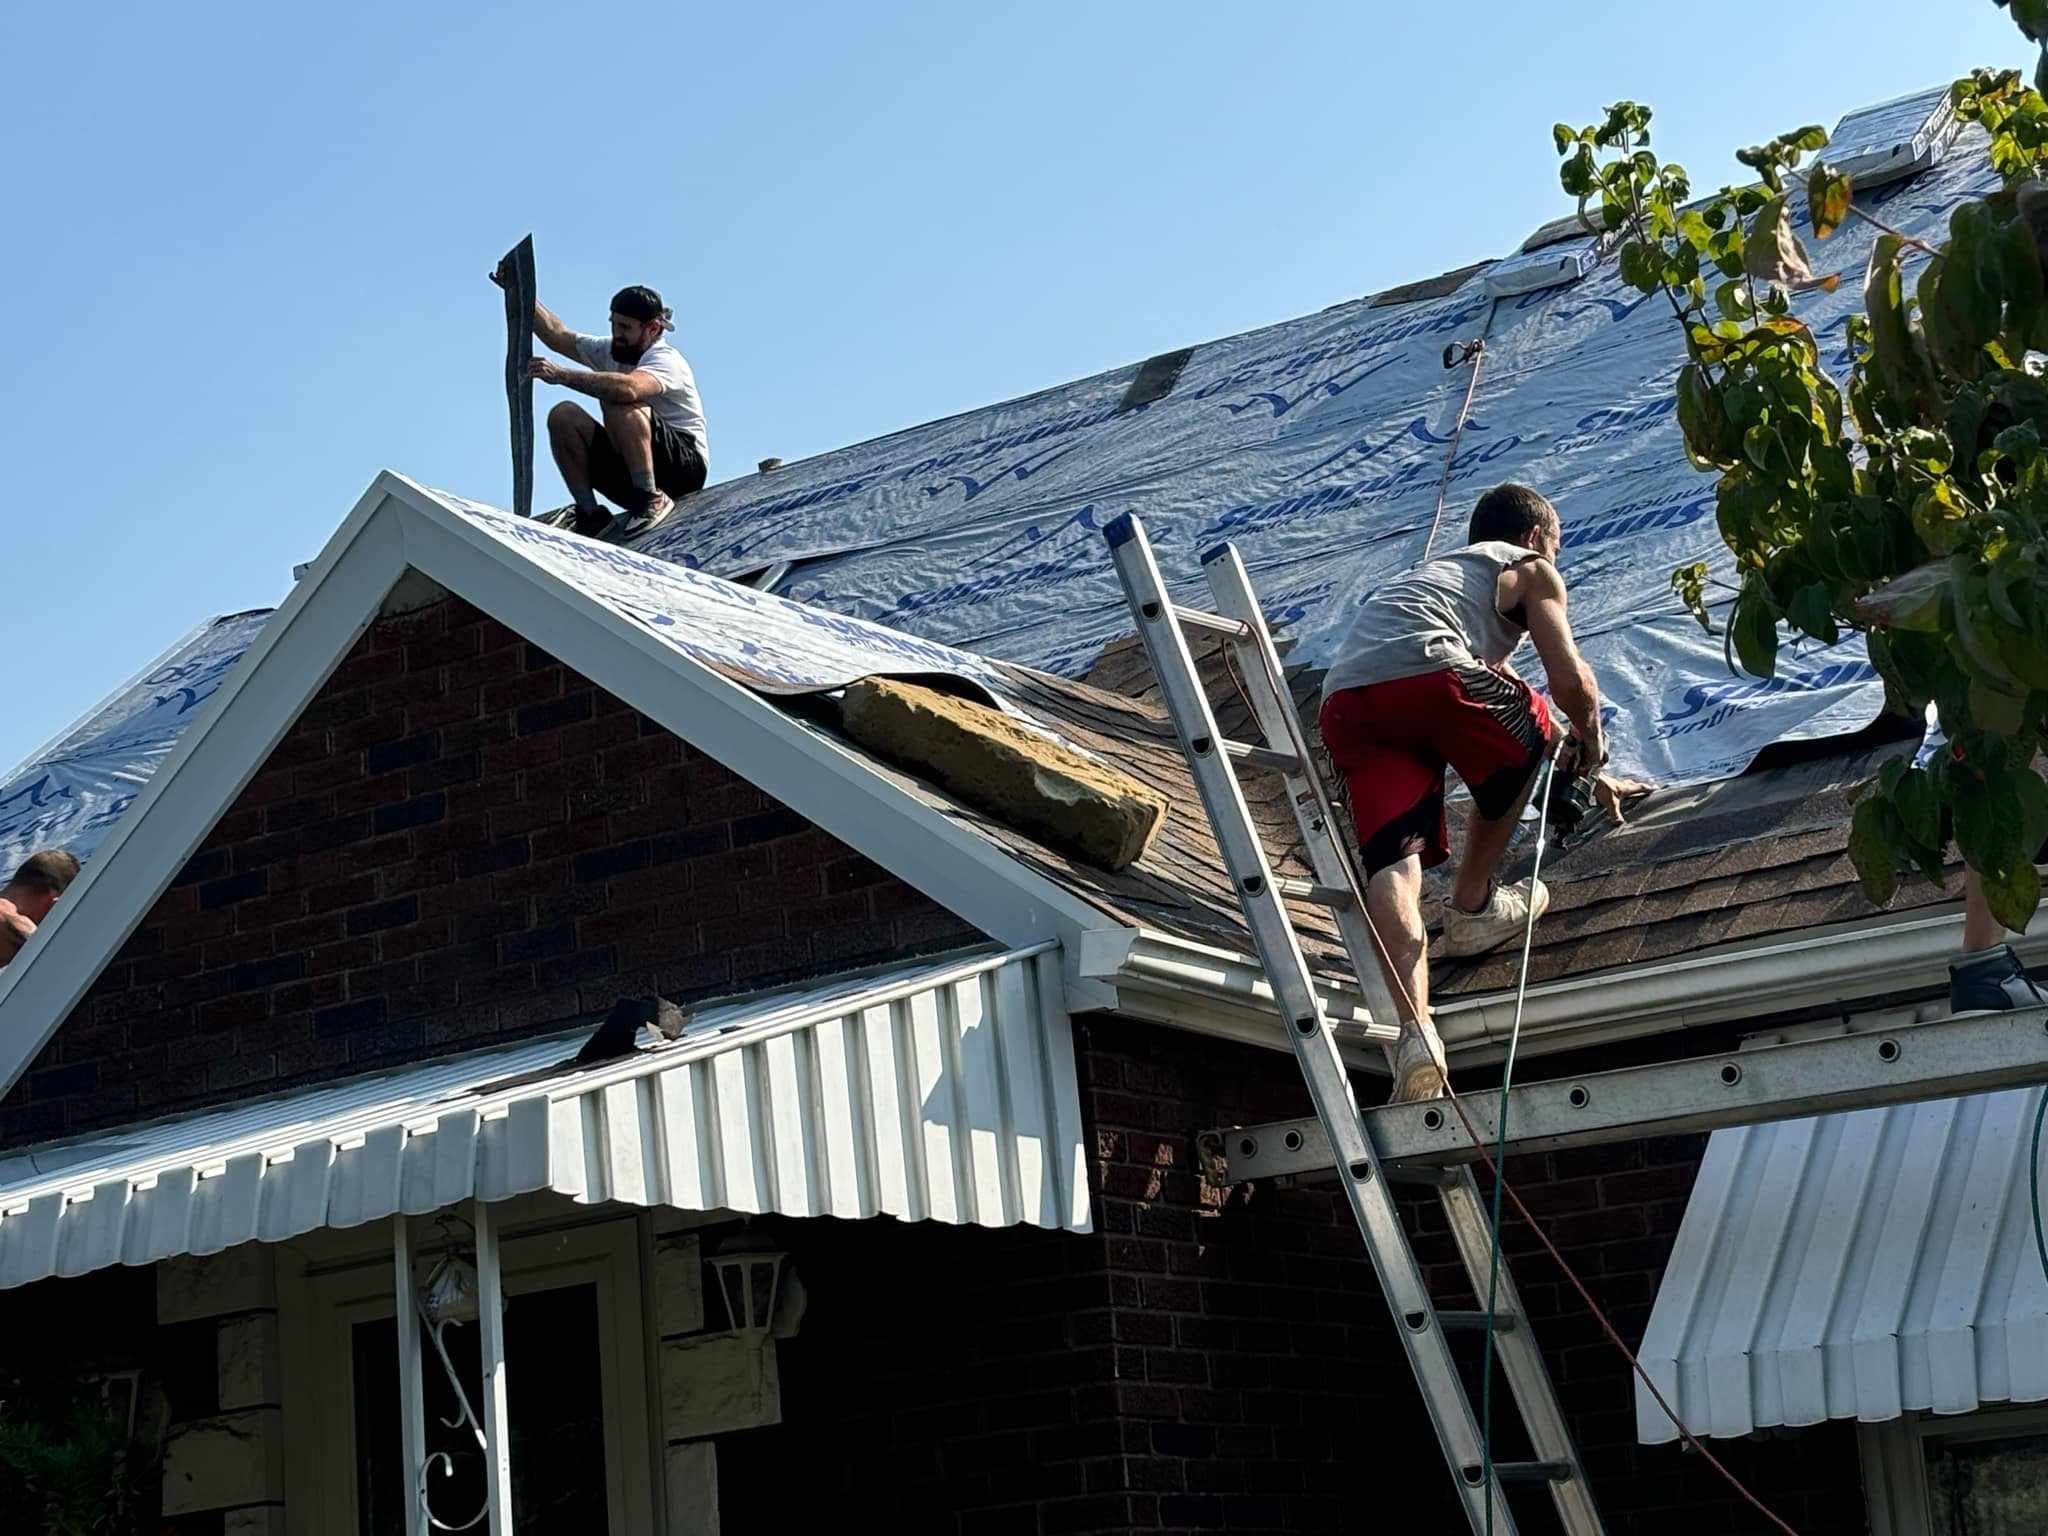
<point>398,526</point>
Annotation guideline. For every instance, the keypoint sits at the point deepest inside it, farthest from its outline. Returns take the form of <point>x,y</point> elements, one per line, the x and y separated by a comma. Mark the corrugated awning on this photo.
<point>942,1091</point>
<point>1854,1266</point>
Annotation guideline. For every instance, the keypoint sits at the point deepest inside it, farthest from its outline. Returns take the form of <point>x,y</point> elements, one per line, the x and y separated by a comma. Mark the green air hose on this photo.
<point>1507,1079</point>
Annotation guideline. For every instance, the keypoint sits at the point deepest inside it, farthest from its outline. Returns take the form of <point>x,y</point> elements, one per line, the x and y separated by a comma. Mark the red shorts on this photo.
<point>1392,740</point>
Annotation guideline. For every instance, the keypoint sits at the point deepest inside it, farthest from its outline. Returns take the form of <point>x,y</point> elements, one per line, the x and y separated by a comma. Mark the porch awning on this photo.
<point>1854,1266</point>
<point>943,1091</point>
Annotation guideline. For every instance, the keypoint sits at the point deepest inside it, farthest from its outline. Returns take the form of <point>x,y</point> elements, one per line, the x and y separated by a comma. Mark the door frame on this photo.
<point>320,1303</point>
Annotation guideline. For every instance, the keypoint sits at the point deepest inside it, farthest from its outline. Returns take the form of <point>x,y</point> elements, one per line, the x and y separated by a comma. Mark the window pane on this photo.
<point>555,1389</point>
<point>1988,1487</point>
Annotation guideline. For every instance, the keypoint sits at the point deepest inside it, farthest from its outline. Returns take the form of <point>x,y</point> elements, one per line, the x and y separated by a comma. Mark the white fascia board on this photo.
<point>300,646</point>
<point>396,526</point>
<point>1178,982</point>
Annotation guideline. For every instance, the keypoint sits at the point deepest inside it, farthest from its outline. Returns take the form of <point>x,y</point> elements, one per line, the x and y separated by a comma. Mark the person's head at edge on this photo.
<point>40,880</point>
<point>1516,514</point>
<point>638,319</point>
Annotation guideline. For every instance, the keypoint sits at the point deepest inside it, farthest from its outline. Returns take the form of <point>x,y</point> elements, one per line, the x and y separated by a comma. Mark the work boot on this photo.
<point>1504,918</point>
<point>591,522</point>
<point>653,508</point>
<point>1991,981</point>
<point>1419,1068</point>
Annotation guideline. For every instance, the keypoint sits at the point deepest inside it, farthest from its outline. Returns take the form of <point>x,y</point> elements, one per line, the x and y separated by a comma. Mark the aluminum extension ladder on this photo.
<point>1420,1324</point>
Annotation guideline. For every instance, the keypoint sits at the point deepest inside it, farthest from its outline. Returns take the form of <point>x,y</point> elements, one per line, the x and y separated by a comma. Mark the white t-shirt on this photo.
<point>677,404</point>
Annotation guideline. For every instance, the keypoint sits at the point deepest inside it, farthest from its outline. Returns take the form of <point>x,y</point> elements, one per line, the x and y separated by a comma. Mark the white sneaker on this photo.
<point>1503,919</point>
<point>1418,1062</point>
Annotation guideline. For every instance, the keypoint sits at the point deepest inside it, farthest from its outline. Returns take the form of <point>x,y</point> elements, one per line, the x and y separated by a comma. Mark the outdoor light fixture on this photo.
<point>749,1275</point>
<point>449,1295</point>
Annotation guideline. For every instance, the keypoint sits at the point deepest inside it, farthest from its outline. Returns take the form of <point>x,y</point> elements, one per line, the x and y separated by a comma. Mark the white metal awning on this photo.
<point>943,1091</point>
<point>1854,1266</point>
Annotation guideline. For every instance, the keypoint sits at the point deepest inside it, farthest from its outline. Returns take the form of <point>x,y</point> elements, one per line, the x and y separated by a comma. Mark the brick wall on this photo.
<point>461,840</point>
<point>1255,1365</point>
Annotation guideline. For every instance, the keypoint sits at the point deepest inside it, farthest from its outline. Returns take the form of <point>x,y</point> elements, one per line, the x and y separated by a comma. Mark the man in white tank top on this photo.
<point>1423,681</point>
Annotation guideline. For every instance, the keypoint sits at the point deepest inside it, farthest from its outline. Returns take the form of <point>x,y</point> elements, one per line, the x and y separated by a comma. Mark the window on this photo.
<point>575,1384</point>
<point>1978,1474</point>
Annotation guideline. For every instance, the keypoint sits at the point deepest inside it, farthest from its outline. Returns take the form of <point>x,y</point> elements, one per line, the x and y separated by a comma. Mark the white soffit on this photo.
<point>940,1091</point>
<point>1854,1266</point>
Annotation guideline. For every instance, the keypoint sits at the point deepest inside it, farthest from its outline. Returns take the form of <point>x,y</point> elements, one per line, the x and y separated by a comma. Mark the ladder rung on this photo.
<point>1474,1322</point>
<point>1262,757</point>
<point>1523,1472</point>
<point>1212,623</point>
<point>1334,896</point>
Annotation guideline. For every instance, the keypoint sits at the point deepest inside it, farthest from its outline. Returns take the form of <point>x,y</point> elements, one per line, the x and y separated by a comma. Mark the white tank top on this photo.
<point>1438,616</point>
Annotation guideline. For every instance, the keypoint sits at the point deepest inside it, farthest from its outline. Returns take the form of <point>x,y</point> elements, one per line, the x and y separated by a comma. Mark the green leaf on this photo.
<point>1563,137</point>
<point>1811,137</point>
<point>1703,421</point>
<point>1689,582</point>
<point>2012,894</point>
<point>1695,229</point>
<point>1755,633</point>
<point>1577,175</point>
<point>1993,708</point>
<point>1771,252</point>
<point>2026,787</point>
<point>1827,199</point>
<point>1919,806</point>
<point>1873,849</point>
<point>1732,299</point>
<point>1641,266</point>
<point>1987,826</point>
<point>1899,361</point>
<point>1939,517</point>
<point>1812,612</point>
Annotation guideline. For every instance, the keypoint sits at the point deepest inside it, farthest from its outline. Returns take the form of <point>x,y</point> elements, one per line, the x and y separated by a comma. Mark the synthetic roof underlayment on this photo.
<point>936,1091</point>
<point>1317,446</point>
<point>1853,1266</point>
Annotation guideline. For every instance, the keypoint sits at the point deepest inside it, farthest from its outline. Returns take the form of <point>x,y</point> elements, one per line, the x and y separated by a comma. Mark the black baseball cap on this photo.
<point>640,303</point>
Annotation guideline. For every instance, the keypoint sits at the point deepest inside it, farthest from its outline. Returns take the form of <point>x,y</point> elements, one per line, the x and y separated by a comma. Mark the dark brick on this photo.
<point>407,753</point>
<point>208,864</point>
<point>606,862</point>
<point>462,768</point>
<point>539,943</point>
<point>347,1018</point>
<point>553,714</point>
<point>215,894</point>
<point>62,1082</point>
<point>510,853</point>
<point>768,825</point>
<point>383,914</point>
<point>419,811</point>
<point>267,973</point>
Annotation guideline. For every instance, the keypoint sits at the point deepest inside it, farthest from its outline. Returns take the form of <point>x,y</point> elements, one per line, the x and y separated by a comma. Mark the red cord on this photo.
<point>1606,1327</point>
<point>1599,1316</point>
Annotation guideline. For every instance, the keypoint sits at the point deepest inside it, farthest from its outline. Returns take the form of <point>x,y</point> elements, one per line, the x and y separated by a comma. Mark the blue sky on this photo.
<point>247,243</point>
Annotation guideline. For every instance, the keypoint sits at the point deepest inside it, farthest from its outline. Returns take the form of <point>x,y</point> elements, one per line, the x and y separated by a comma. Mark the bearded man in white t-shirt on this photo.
<point>650,448</point>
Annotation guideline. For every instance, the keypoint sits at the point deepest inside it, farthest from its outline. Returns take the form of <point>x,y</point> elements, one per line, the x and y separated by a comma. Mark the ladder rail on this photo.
<point>1520,1356</point>
<point>1366,1189</point>
<point>1212,761</point>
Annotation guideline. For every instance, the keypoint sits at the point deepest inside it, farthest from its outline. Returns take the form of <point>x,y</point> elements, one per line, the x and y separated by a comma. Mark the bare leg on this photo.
<point>1393,900</point>
<point>1485,842</point>
<point>1980,929</point>
<point>570,430</point>
<point>631,429</point>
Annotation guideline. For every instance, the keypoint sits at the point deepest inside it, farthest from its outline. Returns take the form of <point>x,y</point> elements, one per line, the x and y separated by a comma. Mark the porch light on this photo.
<point>749,1274</point>
<point>450,1292</point>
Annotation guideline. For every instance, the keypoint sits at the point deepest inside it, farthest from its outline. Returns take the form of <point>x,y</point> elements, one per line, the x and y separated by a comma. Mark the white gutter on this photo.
<point>1175,981</point>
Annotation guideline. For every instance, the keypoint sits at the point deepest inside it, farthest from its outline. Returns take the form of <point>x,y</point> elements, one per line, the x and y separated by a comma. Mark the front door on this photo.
<point>575,1367</point>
